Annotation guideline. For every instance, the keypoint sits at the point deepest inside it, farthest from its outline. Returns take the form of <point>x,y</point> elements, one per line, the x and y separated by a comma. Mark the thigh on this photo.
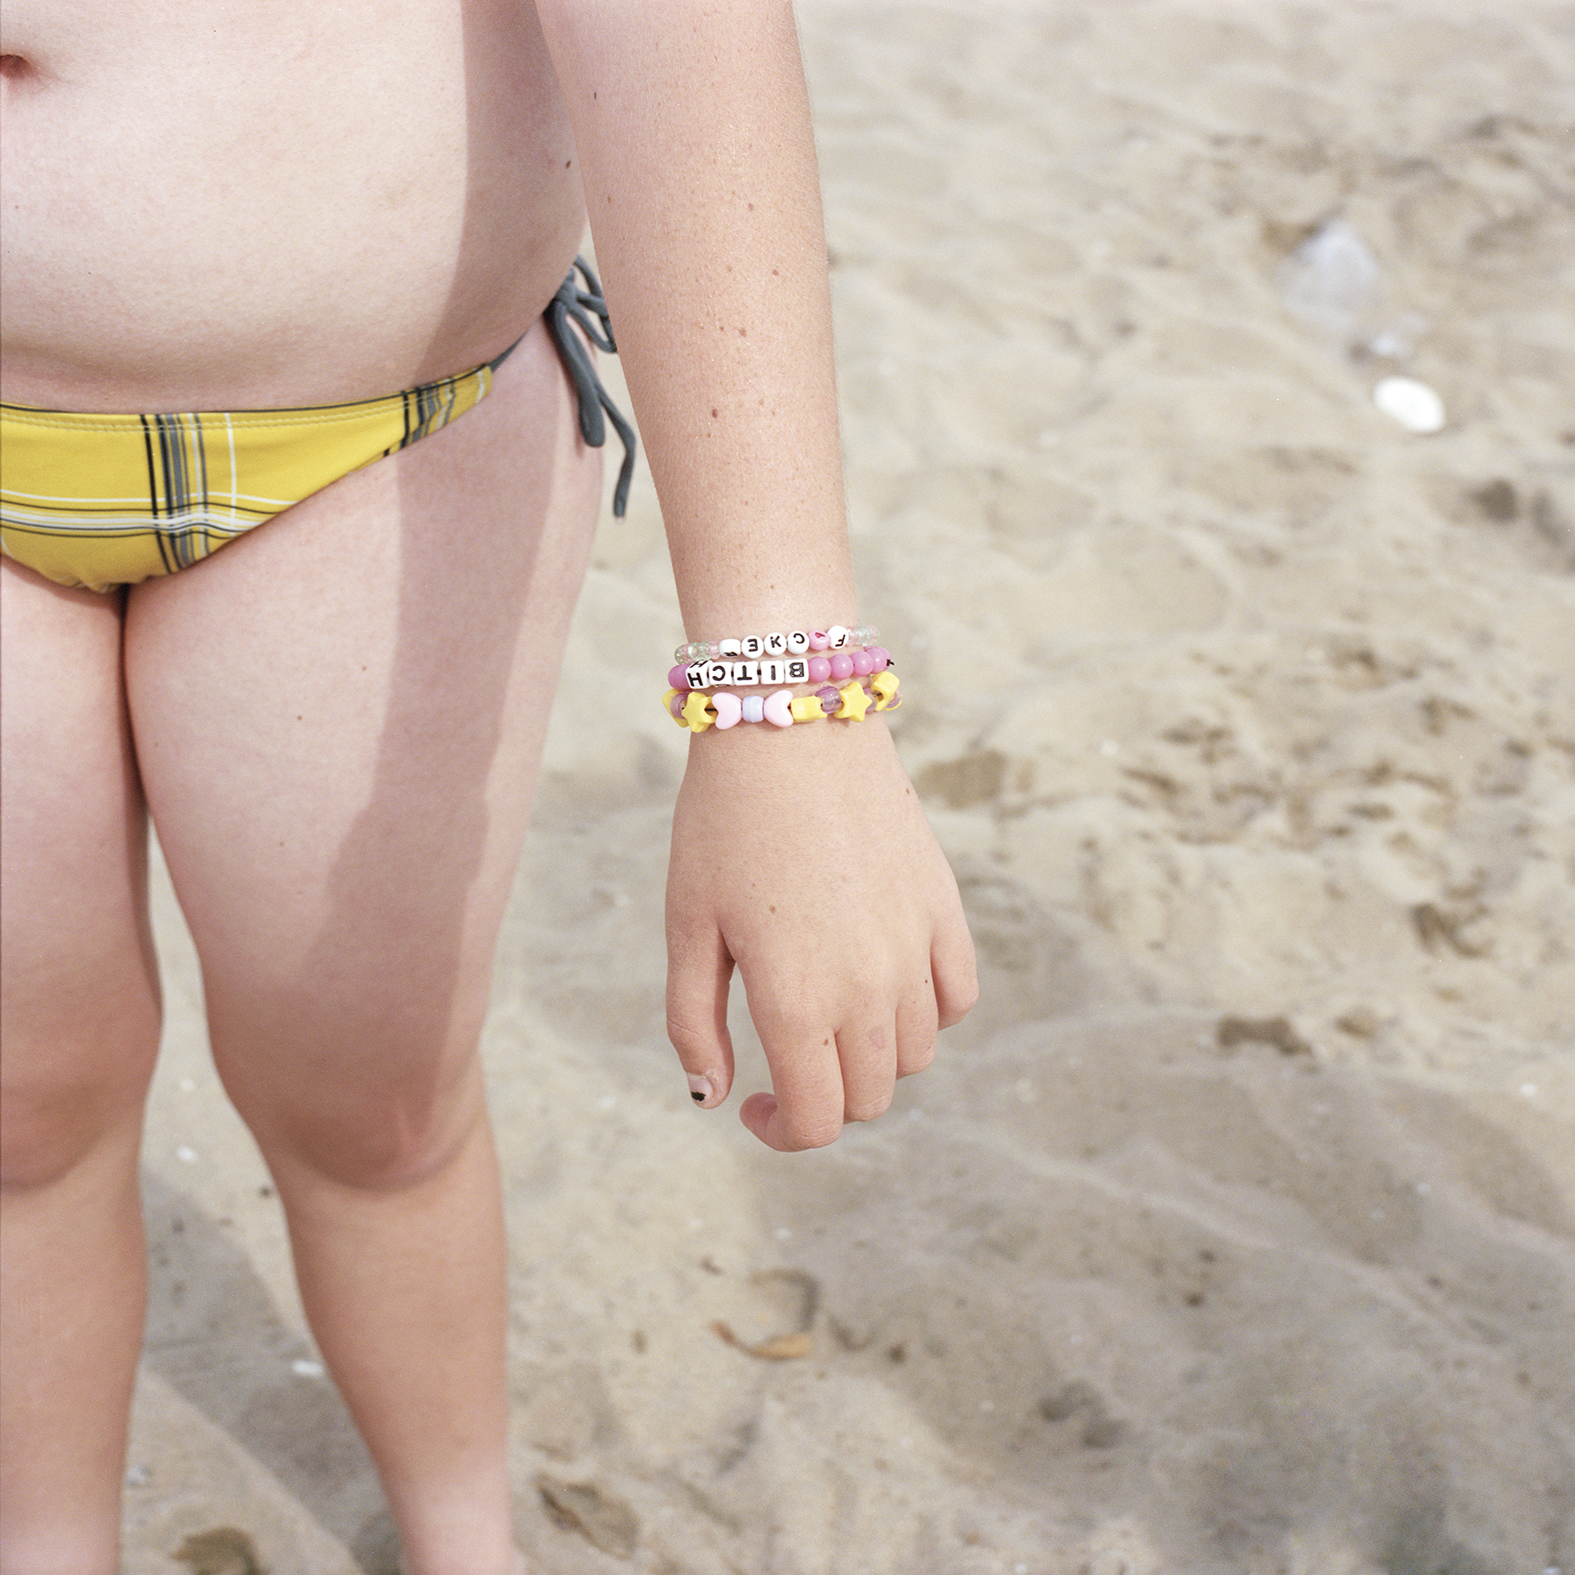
<point>79,979</point>
<point>339,719</point>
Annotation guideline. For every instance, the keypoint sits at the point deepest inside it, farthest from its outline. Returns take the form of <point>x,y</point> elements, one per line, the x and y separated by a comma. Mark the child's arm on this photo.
<point>799,855</point>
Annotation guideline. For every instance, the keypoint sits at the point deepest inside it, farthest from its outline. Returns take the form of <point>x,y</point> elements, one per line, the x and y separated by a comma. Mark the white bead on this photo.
<point>752,645</point>
<point>776,708</point>
<point>694,675</point>
<point>797,643</point>
<point>772,672</point>
<point>797,670</point>
<point>716,673</point>
<point>745,674</point>
<point>729,648</point>
<point>836,637</point>
<point>754,708</point>
<point>776,644</point>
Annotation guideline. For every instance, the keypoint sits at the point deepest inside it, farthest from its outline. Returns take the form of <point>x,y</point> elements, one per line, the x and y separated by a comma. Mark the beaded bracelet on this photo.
<point>794,644</point>
<point>772,671</point>
<point>697,712</point>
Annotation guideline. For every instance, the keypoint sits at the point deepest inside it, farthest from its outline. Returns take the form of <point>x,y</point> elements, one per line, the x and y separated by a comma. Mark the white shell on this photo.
<point>1414,405</point>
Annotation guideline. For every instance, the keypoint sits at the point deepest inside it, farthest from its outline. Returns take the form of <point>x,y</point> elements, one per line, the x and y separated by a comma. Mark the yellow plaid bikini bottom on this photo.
<point>102,501</point>
<point>107,500</point>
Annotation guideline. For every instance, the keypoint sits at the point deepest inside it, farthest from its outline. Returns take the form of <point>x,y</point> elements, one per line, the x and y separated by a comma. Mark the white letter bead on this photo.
<point>797,643</point>
<point>771,672</point>
<point>694,675</point>
<point>729,648</point>
<point>716,673</point>
<point>797,670</point>
<point>836,637</point>
<point>745,673</point>
<point>776,644</point>
<point>752,645</point>
<point>754,708</point>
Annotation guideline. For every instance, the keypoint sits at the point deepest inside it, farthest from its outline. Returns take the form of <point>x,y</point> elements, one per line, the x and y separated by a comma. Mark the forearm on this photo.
<point>698,163</point>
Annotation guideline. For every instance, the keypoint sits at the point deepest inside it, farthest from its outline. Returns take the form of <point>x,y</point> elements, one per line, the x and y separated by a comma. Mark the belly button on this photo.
<point>13,66</point>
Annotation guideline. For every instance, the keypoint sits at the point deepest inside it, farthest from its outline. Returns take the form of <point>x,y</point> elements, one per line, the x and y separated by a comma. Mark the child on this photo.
<point>334,719</point>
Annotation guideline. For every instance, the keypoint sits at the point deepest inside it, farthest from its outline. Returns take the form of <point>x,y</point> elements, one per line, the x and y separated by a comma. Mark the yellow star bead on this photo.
<point>885,686</point>
<point>807,708</point>
<point>854,702</point>
<point>697,716</point>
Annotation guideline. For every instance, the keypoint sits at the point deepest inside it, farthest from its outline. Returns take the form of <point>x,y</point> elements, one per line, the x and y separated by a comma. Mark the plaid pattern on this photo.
<point>106,500</point>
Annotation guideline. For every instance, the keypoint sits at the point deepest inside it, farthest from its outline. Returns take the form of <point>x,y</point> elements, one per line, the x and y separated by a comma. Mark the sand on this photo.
<point>1235,1231</point>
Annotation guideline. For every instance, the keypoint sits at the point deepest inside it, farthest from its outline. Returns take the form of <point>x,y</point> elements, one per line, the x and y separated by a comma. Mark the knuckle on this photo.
<point>812,1134</point>
<point>869,1109</point>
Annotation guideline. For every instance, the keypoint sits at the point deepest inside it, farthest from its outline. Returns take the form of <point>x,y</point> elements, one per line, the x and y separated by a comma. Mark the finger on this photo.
<point>698,973</point>
<point>804,1108</point>
<point>953,970</point>
<point>869,1069</point>
<point>917,1023</point>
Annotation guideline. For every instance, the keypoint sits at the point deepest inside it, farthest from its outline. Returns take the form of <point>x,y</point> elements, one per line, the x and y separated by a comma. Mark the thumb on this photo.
<point>698,971</point>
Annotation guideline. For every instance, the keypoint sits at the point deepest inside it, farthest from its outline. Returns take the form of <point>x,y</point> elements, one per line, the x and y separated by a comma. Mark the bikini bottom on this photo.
<point>107,500</point>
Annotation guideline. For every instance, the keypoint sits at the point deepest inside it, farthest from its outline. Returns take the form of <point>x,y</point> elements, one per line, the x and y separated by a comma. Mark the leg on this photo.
<point>81,1029</point>
<point>340,719</point>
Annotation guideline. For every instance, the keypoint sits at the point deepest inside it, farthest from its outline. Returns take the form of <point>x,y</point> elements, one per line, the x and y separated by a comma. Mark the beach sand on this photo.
<point>1235,1231</point>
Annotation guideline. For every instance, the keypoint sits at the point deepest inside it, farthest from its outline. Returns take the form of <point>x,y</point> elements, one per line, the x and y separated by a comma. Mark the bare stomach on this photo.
<point>239,204</point>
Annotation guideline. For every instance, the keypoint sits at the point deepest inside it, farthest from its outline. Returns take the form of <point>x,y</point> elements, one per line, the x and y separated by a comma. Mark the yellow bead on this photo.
<point>854,702</point>
<point>885,686</point>
<point>807,708</point>
<point>697,715</point>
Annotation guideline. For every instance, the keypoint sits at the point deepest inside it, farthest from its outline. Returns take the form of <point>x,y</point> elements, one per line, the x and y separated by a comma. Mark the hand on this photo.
<point>803,857</point>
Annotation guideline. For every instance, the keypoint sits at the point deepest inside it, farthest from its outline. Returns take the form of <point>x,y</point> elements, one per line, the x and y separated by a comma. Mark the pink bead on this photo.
<point>729,708</point>
<point>841,666</point>
<point>880,657</point>
<point>818,640</point>
<point>863,664</point>
<point>676,706</point>
<point>677,678</point>
<point>778,708</point>
<point>819,669</point>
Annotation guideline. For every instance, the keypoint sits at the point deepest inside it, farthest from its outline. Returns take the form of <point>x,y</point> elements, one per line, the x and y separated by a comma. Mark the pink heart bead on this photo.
<point>776,708</point>
<point>729,708</point>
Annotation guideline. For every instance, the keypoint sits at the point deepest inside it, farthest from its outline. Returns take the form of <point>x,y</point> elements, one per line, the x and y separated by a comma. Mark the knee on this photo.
<point>374,1139</point>
<point>57,1110</point>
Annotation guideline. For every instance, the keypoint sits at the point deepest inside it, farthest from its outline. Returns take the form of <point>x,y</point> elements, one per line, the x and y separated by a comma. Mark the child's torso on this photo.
<point>227,204</point>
